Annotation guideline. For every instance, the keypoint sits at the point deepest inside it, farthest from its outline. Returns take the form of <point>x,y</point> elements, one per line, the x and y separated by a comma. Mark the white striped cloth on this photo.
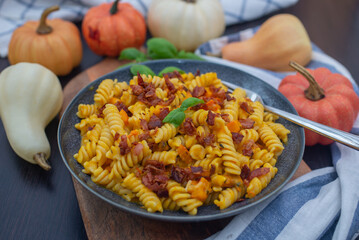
<point>14,13</point>
<point>323,204</point>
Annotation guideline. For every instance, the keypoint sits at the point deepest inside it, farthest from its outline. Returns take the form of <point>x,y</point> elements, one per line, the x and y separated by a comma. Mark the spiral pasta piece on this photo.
<point>280,131</point>
<point>86,152</point>
<point>257,115</point>
<point>229,196</point>
<point>104,92</point>
<point>166,157</point>
<point>270,139</point>
<point>199,117</point>
<point>86,110</point>
<point>148,198</point>
<point>257,184</point>
<point>103,145</point>
<point>183,199</point>
<point>169,204</point>
<point>164,133</point>
<point>113,118</point>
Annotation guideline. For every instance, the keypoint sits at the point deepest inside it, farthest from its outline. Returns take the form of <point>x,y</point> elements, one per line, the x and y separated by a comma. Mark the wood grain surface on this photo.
<point>104,221</point>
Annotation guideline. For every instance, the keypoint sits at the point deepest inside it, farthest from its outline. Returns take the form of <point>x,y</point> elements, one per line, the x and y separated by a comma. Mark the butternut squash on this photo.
<point>280,39</point>
<point>30,97</point>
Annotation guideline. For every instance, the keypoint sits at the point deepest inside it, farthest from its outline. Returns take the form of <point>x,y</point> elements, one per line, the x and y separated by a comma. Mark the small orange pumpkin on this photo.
<point>321,96</point>
<point>110,28</point>
<point>55,44</point>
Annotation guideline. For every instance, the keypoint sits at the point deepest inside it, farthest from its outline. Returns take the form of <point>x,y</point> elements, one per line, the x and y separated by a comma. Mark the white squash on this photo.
<point>30,97</point>
<point>186,23</point>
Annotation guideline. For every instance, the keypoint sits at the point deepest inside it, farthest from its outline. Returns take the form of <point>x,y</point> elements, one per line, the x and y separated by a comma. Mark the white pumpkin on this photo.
<point>186,23</point>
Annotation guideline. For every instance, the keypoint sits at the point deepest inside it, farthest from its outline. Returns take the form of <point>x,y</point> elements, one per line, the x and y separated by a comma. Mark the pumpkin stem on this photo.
<point>43,28</point>
<point>114,7</point>
<point>314,92</point>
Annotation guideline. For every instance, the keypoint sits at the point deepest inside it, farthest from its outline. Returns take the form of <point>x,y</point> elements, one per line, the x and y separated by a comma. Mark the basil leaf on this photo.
<point>131,54</point>
<point>160,48</point>
<point>188,55</point>
<point>175,117</point>
<point>190,102</point>
<point>142,69</point>
<point>169,69</point>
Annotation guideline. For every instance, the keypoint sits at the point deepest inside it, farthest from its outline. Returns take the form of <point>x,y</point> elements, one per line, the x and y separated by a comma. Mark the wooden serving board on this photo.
<point>104,221</point>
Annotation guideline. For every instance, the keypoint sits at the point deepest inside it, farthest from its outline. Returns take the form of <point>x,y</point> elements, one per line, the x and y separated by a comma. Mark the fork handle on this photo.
<point>345,138</point>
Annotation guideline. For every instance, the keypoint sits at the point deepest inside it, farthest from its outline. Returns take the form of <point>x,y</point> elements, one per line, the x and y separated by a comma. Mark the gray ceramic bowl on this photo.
<point>287,164</point>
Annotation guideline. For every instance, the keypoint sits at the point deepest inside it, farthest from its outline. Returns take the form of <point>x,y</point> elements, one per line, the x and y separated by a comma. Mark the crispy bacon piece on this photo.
<point>210,118</point>
<point>117,135</point>
<point>198,92</point>
<point>137,89</point>
<point>168,101</point>
<point>237,137</point>
<point>179,174</point>
<point>100,111</point>
<point>154,122</point>
<point>188,127</point>
<point>178,75</point>
<point>247,148</point>
<point>155,177</point>
<point>218,92</point>
<point>140,80</point>
<point>120,106</point>
<point>124,148</point>
<point>229,97</point>
<point>206,140</point>
<point>144,124</point>
<point>258,172</point>
<point>197,73</point>
<point>225,117</point>
<point>163,113</point>
<point>171,87</point>
<point>245,171</point>
<point>247,123</point>
<point>144,136</point>
<point>137,149</point>
<point>246,107</point>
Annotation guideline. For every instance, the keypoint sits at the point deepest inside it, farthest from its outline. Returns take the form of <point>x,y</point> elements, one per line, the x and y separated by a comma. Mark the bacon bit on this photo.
<point>245,171</point>
<point>198,91</point>
<point>188,127</point>
<point>184,154</point>
<point>117,135</point>
<point>120,106</point>
<point>199,106</point>
<point>124,148</point>
<point>155,177</point>
<point>229,97</point>
<point>90,128</point>
<point>144,124</point>
<point>163,113</point>
<point>137,150</point>
<point>154,122</point>
<point>218,92</point>
<point>206,141</point>
<point>258,172</point>
<point>100,111</point>
<point>178,75</point>
<point>140,80</point>
<point>199,189</point>
<point>137,89</point>
<point>210,118</point>
<point>237,137</point>
<point>124,116</point>
<point>225,117</point>
<point>179,174</point>
<point>246,107</point>
<point>144,136</point>
<point>198,73</point>
<point>234,126</point>
<point>168,101</point>
<point>247,123</point>
<point>247,148</point>
<point>196,169</point>
<point>170,86</point>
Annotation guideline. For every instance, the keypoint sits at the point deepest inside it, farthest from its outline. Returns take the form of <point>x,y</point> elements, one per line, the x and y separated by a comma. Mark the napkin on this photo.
<point>14,13</point>
<point>323,204</point>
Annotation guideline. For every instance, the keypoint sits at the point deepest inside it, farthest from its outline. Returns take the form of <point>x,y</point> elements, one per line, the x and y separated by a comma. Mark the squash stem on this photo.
<point>40,159</point>
<point>314,92</point>
<point>114,7</point>
<point>43,28</point>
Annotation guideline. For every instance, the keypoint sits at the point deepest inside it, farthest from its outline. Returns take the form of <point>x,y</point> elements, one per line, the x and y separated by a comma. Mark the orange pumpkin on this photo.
<point>110,28</point>
<point>321,96</point>
<point>55,44</point>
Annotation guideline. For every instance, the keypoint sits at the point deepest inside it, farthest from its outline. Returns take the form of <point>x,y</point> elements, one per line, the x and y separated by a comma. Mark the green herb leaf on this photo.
<point>142,69</point>
<point>175,117</point>
<point>160,48</point>
<point>169,69</point>
<point>132,54</point>
<point>188,55</point>
<point>190,102</point>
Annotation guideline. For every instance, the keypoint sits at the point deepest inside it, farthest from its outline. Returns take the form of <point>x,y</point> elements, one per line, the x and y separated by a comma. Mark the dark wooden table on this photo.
<point>35,204</point>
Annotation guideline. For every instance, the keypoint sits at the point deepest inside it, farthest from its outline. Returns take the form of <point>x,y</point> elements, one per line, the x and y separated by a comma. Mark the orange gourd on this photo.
<point>321,96</point>
<point>111,27</point>
<point>55,44</point>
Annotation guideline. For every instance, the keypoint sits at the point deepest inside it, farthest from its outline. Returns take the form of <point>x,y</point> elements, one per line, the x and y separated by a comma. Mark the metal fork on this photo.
<point>345,138</point>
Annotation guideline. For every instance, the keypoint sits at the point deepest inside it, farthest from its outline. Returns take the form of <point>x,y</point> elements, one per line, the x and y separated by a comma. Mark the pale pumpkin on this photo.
<point>186,23</point>
<point>280,39</point>
<point>30,97</point>
<point>54,43</point>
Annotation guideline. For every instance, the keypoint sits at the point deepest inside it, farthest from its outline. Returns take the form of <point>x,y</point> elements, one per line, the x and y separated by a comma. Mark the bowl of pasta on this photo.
<point>179,146</point>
